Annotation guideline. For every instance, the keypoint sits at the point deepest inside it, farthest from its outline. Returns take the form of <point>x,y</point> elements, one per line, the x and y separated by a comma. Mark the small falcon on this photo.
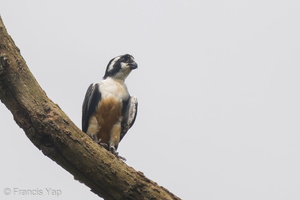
<point>108,111</point>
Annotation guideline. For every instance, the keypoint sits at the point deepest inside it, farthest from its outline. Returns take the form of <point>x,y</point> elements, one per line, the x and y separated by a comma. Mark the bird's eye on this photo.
<point>125,59</point>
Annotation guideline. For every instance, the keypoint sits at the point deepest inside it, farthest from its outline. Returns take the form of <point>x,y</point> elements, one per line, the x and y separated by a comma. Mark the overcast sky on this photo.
<point>217,83</point>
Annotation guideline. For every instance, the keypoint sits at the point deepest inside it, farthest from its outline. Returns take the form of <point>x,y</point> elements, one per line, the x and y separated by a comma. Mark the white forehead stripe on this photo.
<point>111,66</point>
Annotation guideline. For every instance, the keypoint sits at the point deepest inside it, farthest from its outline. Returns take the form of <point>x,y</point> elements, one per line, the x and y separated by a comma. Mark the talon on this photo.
<point>113,151</point>
<point>95,139</point>
<point>103,145</point>
<point>122,158</point>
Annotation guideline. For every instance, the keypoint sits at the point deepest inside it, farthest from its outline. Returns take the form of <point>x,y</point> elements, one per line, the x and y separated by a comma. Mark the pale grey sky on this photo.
<point>218,89</point>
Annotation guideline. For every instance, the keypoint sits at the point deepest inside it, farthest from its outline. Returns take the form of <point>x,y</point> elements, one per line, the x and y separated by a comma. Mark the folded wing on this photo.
<point>129,115</point>
<point>90,103</point>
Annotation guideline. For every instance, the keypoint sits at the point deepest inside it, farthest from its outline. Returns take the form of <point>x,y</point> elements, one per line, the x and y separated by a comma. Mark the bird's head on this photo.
<point>120,67</point>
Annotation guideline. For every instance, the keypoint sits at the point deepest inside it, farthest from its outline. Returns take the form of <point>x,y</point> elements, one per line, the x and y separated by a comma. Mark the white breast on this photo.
<point>111,88</point>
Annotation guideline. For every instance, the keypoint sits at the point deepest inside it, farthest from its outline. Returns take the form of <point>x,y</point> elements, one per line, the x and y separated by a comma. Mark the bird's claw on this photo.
<point>98,141</point>
<point>113,151</point>
<point>103,145</point>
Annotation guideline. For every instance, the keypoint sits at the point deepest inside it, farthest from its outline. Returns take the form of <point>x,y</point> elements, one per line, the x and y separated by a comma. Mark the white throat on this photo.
<point>114,88</point>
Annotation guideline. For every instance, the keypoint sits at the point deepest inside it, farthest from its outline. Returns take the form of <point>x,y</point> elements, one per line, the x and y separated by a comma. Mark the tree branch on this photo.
<point>51,131</point>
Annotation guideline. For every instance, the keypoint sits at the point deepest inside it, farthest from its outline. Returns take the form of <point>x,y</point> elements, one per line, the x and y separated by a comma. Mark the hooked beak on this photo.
<point>133,65</point>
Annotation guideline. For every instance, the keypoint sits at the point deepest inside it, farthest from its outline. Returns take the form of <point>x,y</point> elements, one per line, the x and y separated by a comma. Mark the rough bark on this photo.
<point>51,131</point>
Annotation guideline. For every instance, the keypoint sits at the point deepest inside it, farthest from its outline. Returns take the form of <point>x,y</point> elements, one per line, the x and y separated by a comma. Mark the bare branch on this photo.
<point>51,131</point>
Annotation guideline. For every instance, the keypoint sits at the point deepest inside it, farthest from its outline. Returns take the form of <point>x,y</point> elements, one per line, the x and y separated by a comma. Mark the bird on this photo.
<point>108,110</point>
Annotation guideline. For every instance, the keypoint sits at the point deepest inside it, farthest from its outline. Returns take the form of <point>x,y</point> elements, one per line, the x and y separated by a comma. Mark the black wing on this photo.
<point>91,100</point>
<point>129,114</point>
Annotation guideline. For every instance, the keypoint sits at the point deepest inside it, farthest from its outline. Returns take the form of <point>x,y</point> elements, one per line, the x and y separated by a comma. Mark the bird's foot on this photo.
<point>98,141</point>
<point>95,139</point>
<point>103,145</point>
<point>113,151</point>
